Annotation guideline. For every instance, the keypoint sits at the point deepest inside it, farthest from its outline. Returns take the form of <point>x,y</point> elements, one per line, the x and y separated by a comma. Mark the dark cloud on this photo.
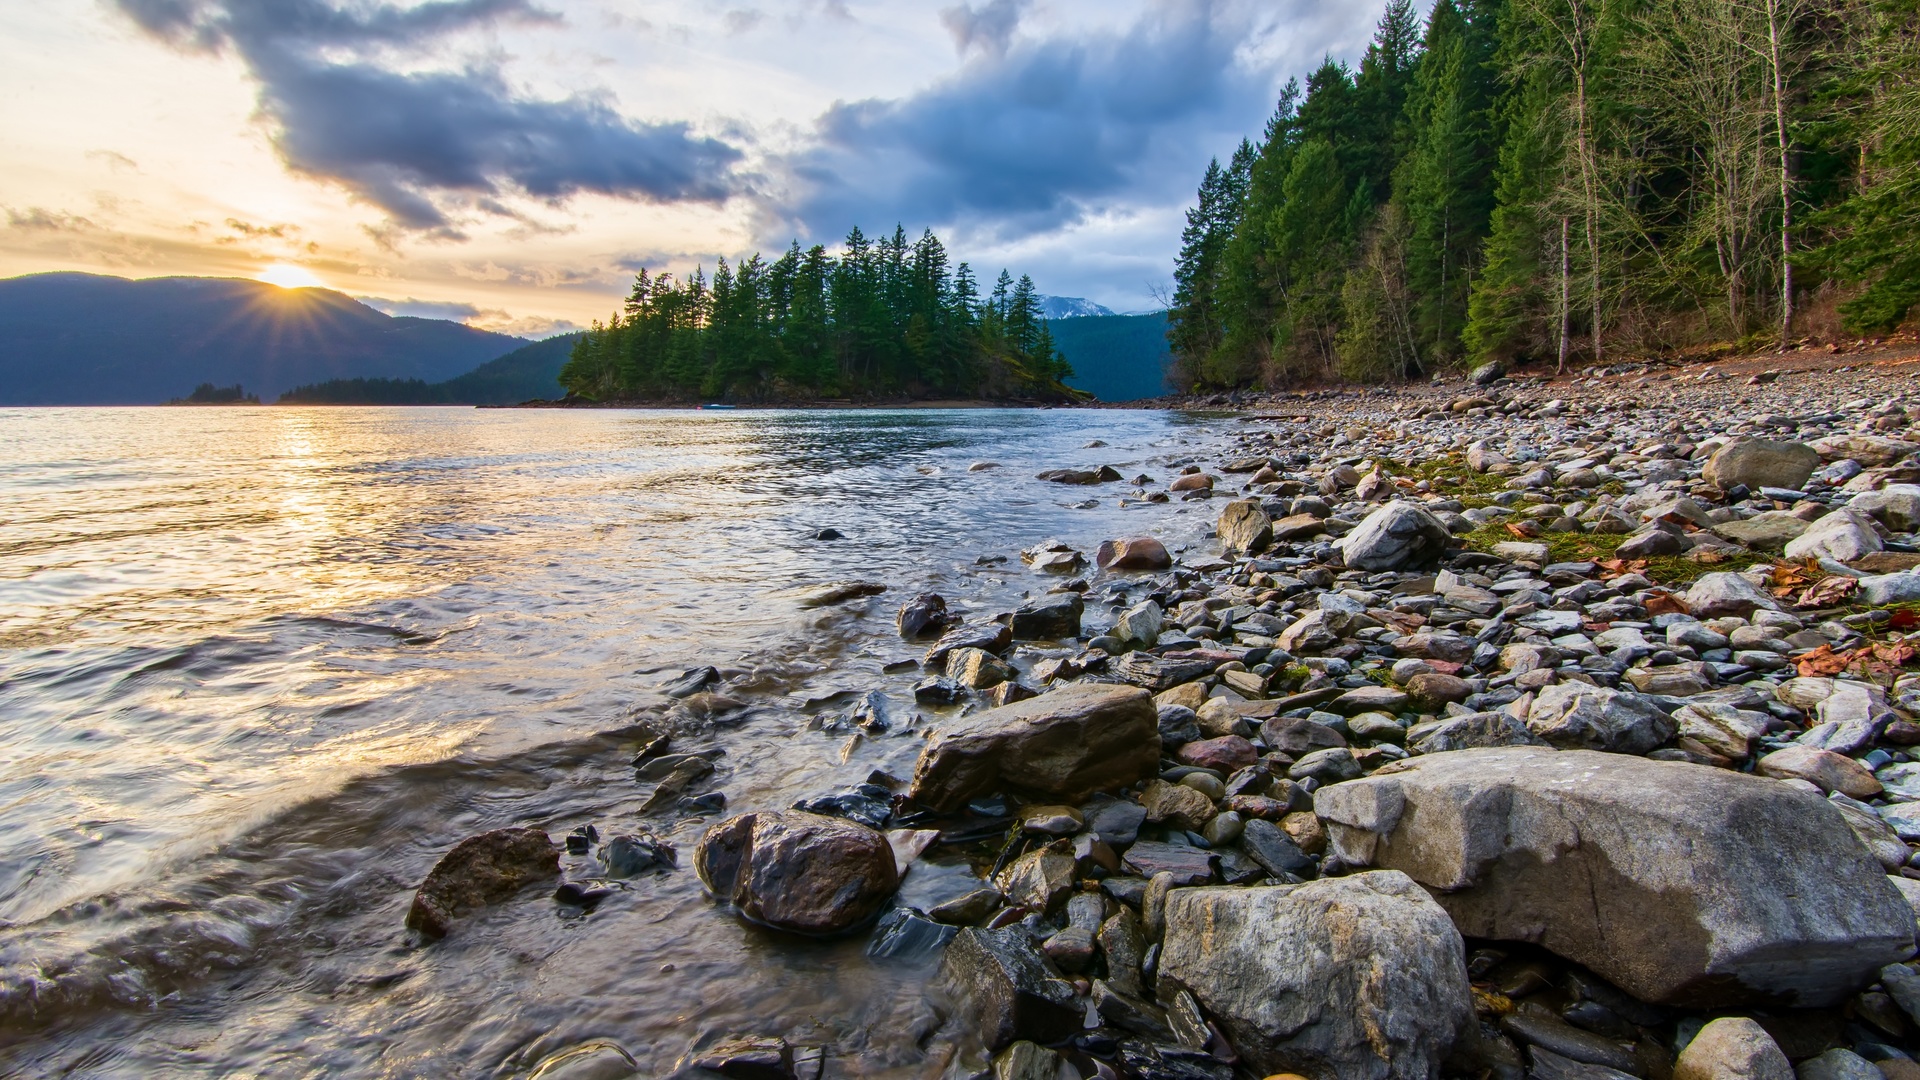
<point>988,28</point>
<point>1041,137</point>
<point>418,143</point>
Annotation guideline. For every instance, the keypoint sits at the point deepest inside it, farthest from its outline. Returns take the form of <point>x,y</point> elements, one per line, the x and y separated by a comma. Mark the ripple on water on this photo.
<point>260,668</point>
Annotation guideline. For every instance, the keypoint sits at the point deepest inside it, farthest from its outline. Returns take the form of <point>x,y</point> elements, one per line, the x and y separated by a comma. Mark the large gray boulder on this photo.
<point>1064,745</point>
<point>1398,536</point>
<point>1580,716</point>
<point>1352,978</point>
<point>1681,884</point>
<point>1727,593</point>
<point>806,873</point>
<point>1759,463</point>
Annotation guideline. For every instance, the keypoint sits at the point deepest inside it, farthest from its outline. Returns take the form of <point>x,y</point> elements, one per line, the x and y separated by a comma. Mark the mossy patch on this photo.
<point>1595,547</point>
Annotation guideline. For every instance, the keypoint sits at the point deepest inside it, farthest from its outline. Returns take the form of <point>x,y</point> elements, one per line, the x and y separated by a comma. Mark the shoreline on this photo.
<point>1424,598</point>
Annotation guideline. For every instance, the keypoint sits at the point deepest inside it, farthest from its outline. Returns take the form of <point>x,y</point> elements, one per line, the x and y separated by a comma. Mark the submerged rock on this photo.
<point>481,870</point>
<point>1358,977</point>
<point>798,871</point>
<point>1065,744</point>
<point>1681,884</point>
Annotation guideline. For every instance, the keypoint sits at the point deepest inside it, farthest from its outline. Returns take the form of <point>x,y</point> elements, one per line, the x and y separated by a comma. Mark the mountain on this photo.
<point>1070,307</point>
<point>521,375</point>
<point>1116,357</point>
<point>87,339</point>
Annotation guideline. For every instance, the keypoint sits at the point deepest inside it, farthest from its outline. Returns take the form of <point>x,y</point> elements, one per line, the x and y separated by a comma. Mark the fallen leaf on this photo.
<point>1828,593</point>
<point>1905,619</point>
<point>1661,602</point>
<point>1822,662</point>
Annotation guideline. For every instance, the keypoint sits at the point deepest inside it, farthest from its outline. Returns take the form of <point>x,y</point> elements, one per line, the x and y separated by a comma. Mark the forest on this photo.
<point>884,318</point>
<point>1567,182</point>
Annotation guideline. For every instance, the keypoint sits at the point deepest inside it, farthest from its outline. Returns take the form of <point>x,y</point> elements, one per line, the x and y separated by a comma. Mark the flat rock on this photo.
<point>1823,768</point>
<point>1065,744</point>
<point>1359,977</point>
<point>1758,463</point>
<point>1681,884</point>
<point>1720,594</point>
<point>481,870</point>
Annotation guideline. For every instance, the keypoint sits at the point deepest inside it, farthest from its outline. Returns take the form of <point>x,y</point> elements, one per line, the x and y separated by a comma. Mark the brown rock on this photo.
<point>1192,482</point>
<point>1431,692</point>
<point>1307,831</point>
<point>1824,768</point>
<point>1177,805</point>
<point>801,872</point>
<point>1067,743</point>
<point>1226,754</point>
<point>1139,553</point>
<point>481,870</point>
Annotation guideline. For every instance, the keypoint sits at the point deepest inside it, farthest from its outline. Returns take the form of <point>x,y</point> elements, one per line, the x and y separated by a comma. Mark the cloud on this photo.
<point>422,309</point>
<point>40,219</point>
<point>425,144</point>
<point>1042,136</point>
<point>114,160</point>
<point>988,28</point>
<point>740,20</point>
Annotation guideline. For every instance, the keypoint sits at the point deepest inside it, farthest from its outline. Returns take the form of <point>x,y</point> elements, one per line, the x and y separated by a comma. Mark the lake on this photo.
<point>261,667</point>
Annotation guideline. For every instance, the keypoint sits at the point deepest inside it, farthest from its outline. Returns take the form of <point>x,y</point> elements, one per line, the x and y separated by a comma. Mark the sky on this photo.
<point>511,163</point>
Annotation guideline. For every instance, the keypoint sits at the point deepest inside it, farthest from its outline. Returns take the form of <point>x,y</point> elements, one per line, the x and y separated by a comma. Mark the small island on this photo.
<point>884,320</point>
<point>208,394</point>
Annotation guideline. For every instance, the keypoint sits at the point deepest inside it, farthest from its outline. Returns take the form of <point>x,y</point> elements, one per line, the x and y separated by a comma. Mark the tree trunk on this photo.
<point>1566,298</point>
<point>1775,48</point>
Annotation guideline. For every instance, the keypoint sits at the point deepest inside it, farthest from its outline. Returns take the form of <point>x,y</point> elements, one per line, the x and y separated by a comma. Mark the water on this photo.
<point>260,668</point>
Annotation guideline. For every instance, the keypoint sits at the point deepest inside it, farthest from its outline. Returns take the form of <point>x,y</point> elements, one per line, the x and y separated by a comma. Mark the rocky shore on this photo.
<point>1505,730</point>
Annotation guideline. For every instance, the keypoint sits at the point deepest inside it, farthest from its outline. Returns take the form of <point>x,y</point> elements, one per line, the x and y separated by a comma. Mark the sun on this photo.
<point>288,276</point>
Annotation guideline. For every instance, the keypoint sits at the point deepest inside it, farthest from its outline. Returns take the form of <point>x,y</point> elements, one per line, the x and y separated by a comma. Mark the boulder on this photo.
<point>1715,595</point>
<point>1842,536</point>
<point>1065,744</point>
<point>978,669</point>
<point>1486,374</point>
<point>1138,553</point>
<point>1758,463</point>
<point>1001,985</point>
<point>924,616</point>
<point>1579,716</point>
<point>1431,691</point>
<point>1244,528</point>
<point>1475,730</point>
<point>1897,506</point>
<point>1770,531</point>
<point>1679,883</point>
<point>1192,482</point>
<point>480,870</point>
<point>1358,977</point>
<point>791,870</point>
<point>1822,768</point>
<point>993,637</point>
<point>1732,1048</point>
<point>1049,618</point>
<point>748,1057</point>
<point>1883,590</point>
<point>1140,624</point>
<point>1398,536</point>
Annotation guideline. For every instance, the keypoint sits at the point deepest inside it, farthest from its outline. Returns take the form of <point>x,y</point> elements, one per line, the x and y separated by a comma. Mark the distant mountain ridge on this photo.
<point>1071,307</point>
<point>524,374</point>
<point>90,339</point>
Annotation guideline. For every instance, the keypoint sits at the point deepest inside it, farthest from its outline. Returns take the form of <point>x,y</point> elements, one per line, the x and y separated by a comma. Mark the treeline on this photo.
<point>1565,180</point>
<point>880,319</point>
<point>368,392</point>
